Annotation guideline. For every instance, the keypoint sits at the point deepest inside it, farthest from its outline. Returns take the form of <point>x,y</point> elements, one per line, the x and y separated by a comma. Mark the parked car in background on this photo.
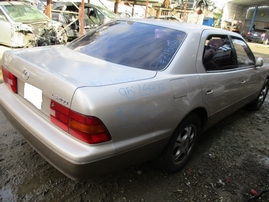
<point>22,25</point>
<point>40,5</point>
<point>68,14</point>
<point>258,35</point>
<point>129,91</point>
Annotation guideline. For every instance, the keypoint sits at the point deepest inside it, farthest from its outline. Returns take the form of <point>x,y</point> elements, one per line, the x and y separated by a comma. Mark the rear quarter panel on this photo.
<point>137,113</point>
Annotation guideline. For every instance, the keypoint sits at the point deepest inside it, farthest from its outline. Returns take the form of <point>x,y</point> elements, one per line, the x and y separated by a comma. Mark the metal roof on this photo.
<point>249,3</point>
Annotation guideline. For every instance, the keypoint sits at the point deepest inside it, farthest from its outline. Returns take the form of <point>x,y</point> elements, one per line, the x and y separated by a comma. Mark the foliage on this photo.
<point>217,15</point>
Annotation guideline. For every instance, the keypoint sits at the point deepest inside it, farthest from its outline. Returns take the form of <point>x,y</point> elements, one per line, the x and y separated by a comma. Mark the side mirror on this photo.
<point>259,62</point>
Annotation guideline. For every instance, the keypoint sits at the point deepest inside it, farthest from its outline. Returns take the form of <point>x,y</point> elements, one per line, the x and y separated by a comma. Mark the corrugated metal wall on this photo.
<point>245,14</point>
<point>261,19</point>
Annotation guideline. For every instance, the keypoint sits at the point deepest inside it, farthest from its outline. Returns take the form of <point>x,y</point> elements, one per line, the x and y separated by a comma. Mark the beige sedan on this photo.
<point>130,91</point>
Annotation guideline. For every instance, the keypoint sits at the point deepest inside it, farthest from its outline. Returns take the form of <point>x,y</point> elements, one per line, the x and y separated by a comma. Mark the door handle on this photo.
<point>208,92</point>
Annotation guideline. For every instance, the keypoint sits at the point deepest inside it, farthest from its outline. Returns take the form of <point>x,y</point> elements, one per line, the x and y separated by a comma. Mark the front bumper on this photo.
<point>73,158</point>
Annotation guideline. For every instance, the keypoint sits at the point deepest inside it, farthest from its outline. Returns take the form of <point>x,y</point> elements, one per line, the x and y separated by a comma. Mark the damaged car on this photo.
<point>68,14</point>
<point>25,26</point>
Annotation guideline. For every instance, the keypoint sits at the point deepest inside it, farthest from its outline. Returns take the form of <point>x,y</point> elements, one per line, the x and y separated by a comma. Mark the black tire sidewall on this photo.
<point>166,158</point>
<point>255,105</point>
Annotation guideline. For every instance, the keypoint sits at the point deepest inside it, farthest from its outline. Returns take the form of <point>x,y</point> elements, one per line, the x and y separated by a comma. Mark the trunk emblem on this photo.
<point>25,74</point>
<point>56,97</point>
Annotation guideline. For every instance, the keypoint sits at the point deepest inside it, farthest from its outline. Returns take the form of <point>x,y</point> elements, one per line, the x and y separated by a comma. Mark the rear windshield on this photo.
<point>132,44</point>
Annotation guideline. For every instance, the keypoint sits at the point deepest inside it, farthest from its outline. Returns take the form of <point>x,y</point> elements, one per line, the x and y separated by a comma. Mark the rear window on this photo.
<point>132,44</point>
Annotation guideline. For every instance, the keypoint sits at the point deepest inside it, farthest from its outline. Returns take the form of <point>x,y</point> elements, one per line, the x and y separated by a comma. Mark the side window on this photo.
<point>218,53</point>
<point>94,16</point>
<point>2,17</point>
<point>243,54</point>
<point>100,17</point>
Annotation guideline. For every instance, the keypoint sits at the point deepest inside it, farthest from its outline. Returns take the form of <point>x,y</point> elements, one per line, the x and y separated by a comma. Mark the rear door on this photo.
<point>220,79</point>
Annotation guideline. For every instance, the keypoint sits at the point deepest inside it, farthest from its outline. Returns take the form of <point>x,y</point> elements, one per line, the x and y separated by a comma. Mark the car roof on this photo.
<point>183,26</point>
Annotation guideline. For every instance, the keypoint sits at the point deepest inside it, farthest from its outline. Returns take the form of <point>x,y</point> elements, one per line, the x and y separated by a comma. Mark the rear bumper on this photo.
<point>70,156</point>
<point>254,39</point>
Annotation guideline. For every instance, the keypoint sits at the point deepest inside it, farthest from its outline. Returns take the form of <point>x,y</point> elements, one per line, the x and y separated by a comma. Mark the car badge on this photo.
<point>25,74</point>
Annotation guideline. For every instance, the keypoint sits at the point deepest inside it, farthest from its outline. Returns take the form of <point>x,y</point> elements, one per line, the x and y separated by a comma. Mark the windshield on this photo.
<point>107,12</point>
<point>132,44</point>
<point>24,13</point>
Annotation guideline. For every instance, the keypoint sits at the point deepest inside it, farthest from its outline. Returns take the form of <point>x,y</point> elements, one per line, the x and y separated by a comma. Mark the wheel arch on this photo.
<point>163,161</point>
<point>201,113</point>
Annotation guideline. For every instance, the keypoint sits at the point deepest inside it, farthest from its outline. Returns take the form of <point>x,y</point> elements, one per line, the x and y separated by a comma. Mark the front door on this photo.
<point>251,76</point>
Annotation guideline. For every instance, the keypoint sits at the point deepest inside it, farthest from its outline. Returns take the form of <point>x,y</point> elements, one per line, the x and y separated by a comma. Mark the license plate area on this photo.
<point>33,95</point>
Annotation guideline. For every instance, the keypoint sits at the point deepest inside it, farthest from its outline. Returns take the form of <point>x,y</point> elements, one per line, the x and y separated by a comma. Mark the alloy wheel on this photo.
<point>184,143</point>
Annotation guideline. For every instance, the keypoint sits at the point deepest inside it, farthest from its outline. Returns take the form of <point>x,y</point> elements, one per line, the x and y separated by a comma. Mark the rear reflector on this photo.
<point>9,79</point>
<point>59,115</point>
<point>85,128</point>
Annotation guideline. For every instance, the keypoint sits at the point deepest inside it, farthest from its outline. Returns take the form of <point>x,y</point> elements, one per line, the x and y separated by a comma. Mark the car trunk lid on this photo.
<point>79,69</point>
<point>44,74</point>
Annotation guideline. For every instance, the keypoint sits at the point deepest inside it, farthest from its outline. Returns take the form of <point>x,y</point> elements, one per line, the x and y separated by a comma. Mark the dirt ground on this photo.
<point>230,164</point>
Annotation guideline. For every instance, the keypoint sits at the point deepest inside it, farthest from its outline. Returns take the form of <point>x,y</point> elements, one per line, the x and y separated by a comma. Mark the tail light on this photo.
<point>248,33</point>
<point>9,79</point>
<point>85,128</point>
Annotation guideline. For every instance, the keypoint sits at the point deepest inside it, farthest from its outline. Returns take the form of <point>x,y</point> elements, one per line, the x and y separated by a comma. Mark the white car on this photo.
<point>23,25</point>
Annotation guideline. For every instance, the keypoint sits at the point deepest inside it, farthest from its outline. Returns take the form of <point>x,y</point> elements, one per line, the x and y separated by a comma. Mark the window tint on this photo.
<point>243,53</point>
<point>217,53</point>
<point>132,44</point>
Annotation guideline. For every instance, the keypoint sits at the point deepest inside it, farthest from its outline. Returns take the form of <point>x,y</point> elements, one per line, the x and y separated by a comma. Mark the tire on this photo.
<point>257,103</point>
<point>181,145</point>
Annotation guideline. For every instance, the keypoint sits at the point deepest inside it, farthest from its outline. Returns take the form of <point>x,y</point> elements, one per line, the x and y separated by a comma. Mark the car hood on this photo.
<point>80,69</point>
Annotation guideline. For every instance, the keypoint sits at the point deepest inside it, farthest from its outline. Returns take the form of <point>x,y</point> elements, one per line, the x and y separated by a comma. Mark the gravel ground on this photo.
<point>230,164</point>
